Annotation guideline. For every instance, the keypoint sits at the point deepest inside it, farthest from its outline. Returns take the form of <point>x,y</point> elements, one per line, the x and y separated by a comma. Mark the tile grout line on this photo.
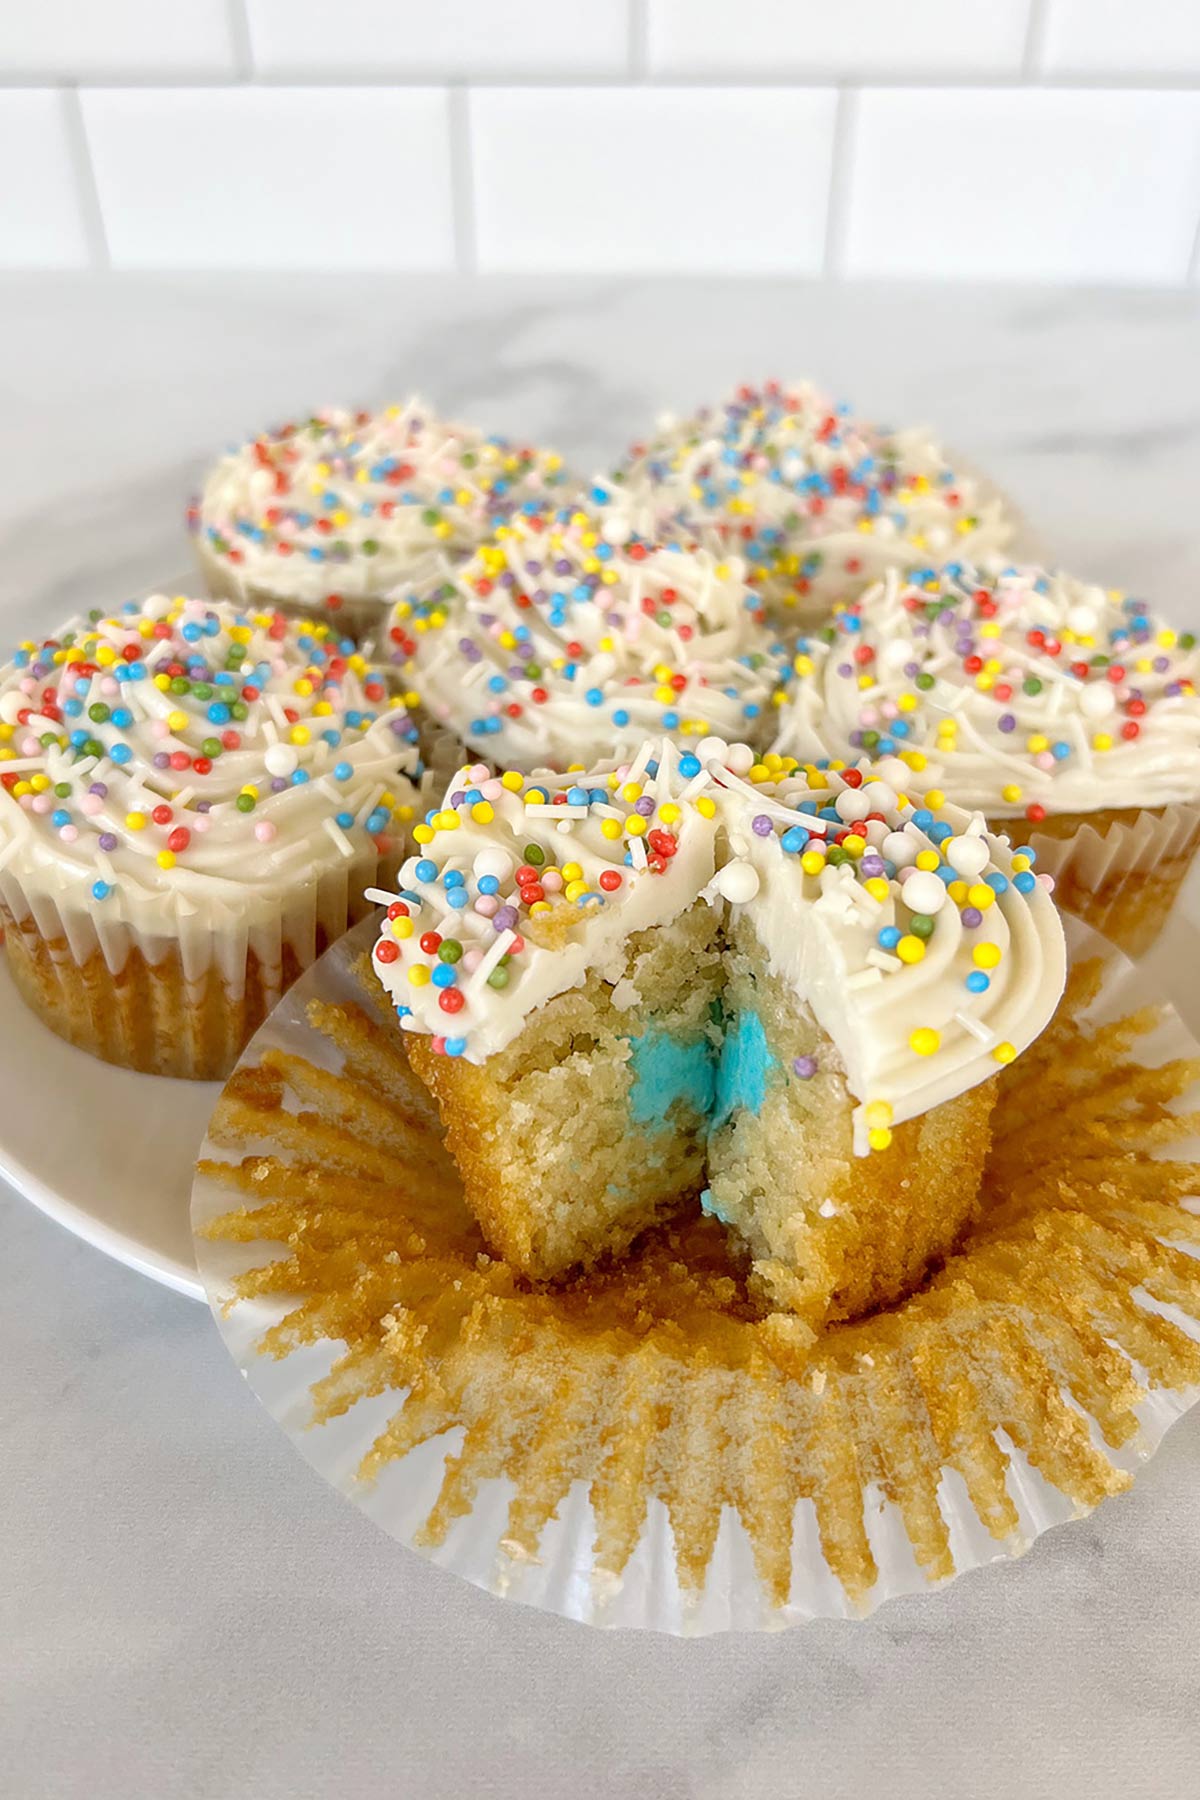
<point>1168,82</point>
<point>239,34</point>
<point>841,164</point>
<point>1033,60</point>
<point>639,40</point>
<point>85,179</point>
<point>462,178</point>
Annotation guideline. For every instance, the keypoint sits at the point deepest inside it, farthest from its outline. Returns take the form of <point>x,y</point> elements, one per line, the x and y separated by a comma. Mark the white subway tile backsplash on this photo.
<point>730,180</point>
<point>1038,184</point>
<point>820,39</point>
<point>305,178</point>
<point>41,219</point>
<point>440,39</point>
<point>115,39</point>
<point>1113,38</point>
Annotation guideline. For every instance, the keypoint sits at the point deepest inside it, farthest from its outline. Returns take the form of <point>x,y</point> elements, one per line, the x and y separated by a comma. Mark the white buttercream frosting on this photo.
<point>1017,691</point>
<point>345,504</point>
<point>929,951</point>
<point>178,769</point>
<point>570,637</point>
<point>820,502</point>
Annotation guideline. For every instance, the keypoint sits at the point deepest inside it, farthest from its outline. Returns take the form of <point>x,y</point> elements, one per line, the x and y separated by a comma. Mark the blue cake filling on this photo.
<point>742,1071</point>
<point>712,1084</point>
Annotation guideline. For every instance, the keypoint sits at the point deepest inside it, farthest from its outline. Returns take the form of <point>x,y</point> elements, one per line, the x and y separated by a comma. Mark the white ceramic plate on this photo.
<point>107,1153</point>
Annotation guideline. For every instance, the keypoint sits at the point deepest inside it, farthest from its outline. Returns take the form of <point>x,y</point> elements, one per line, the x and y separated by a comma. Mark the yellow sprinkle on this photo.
<point>483,812</point>
<point>300,734</point>
<point>540,906</point>
<point>669,813</point>
<point>1010,794</point>
<point>572,872</point>
<point>981,895</point>
<point>635,825</point>
<point>934,799</point>
<point>1102,741</point>
<point>879,1112</point>
<point>1036,743</point>
<point>631,792</point>
<point>928,859</point>
<point>910,949</point>
<point>402,928</point>
<point>879,1139</point>
<point>706,807</point>
<point>39,783</point>
<point>535,796</point>
<point>610,828</point>
<point>136,821</point>
<point>512,781</point>
<point>418,975</point>
<point>575,888</point>
<point>423,834</point>
<point>877,887</point>
<point>165,859</point>
<point>986,956</point>
<point>812,862</point>
<point>1004,1053</point>
<point>925,1040</point>
<point>177,721</point>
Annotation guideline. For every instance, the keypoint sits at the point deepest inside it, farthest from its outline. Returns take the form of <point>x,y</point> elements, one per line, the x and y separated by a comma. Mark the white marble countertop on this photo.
<point>185,1610</point>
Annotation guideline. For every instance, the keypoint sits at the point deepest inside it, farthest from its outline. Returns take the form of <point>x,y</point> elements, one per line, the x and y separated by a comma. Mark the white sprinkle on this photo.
<point>546,811</point>
<point>976,1027</point>
<point>879,959</point>
<point>479,975</point>
<point>864,978</point>
<point>380,896</point>
<point>637,852</point>
<point>339,837</point>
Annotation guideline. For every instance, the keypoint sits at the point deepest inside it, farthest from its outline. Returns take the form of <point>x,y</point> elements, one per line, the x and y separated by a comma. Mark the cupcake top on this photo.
<point>1020,692</point>
<point>346,504</point>
<point>178,757</point>
<point>571,637</point>
<point>928,951</point>
<point>819,501</point>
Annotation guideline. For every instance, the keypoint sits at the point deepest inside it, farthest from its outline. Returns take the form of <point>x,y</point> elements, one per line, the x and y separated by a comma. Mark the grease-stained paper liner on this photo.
<point>1122,876</point>
<point>645,1449</point>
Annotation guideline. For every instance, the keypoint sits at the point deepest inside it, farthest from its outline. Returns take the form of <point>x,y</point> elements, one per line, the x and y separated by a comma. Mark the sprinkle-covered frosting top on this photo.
<point>928,951</point>
<point>818,501</point>
<point>569,636</point>
<point>177,754</point>
<point>1019,692</point>
<point>346,504</point>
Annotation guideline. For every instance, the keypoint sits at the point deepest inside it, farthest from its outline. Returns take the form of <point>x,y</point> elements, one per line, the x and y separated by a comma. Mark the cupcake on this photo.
<point>569,638</point>
<point>328,515</point>
<point>192,801</point>
<point>1065,713</point>
<point>819,502</point>
<point>771,987</point>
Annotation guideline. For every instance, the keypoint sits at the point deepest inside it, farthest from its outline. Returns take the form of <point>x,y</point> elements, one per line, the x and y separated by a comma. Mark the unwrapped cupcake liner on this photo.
<point>642,1447</point>
<point>1123,877</point>
<point>180,994</point>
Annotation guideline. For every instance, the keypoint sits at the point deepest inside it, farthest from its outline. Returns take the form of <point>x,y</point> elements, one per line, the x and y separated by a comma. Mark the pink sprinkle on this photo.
<point>487,906</point>
<point>42,803</point>
<point>160,728</point>
<point>492,790</point>
<point>264,831</point>
<point>471,959</point>
<point>91,804</point>
<point>69,833</point>
<point>552,881</point>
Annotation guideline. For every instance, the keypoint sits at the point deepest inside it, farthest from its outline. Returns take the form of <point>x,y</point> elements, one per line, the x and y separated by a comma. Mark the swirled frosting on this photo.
<point>569,636</point>
<point>1018,691</point>
<point>345,504</point>
<point>929,952</point>
<point>818,501</point>
<point>171,763</point>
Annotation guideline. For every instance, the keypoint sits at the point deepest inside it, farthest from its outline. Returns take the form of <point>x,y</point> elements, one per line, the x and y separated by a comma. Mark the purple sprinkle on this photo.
<point>760,824</point>
<point>805,1067</point>
<point>845,669</point>
<point>1161,664</point>
<point>100,788</point>
<point>971,917</point>
<point>912,670</point>
<point>108,840</point>
<point>278,783</point>
<point>458,796</point>
<point>504,918</point>
<point>645,807</point>
<point>1007,722</point>
<point>871,866</point>
<point>161,760</point>
<point>204,806</point>
<point>1172,689</point>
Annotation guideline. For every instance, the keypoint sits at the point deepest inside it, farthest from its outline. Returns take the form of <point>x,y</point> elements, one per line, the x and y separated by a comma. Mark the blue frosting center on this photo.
<point>742,1071</point>
<point>668,1071</point>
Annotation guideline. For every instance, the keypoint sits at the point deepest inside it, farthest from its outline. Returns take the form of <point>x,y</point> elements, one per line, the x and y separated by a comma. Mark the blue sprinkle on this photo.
<point>890,936</point>
<point>978,982</point>
<point>456,897</point>
<point>453,878</point>
<point>577,796</point>
<point>444,976</point>
<point>345,820</point>
<point>100,890</point>
<point>795,838</point>
<point>426,870</point>
<point>620,717</point>
<point>594,697</point>
<point>455,1046</point>
<point>688,765</point>
<point>1025,882</point>
<point>488,884</point>
<point>342,771</point>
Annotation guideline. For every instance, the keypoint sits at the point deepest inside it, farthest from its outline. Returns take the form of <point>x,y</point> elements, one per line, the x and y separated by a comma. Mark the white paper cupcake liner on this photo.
<point>1055,1349</point>
<point>1122,878</point>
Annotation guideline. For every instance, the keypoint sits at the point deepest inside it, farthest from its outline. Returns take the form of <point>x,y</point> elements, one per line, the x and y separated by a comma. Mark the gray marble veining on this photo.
<point>184,1609</point>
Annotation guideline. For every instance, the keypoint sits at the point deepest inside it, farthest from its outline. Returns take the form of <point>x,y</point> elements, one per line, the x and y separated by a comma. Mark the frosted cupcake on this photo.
<point>569,637</point>
<point>329,514</point>
<point>786,990</point>
<point>192,800</point>
<point>1066,714</point>
<point>819,502</point>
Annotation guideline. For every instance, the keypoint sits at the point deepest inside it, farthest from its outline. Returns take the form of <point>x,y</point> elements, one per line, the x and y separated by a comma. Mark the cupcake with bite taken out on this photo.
<point>192,801</point>
<point>1065,713</point>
